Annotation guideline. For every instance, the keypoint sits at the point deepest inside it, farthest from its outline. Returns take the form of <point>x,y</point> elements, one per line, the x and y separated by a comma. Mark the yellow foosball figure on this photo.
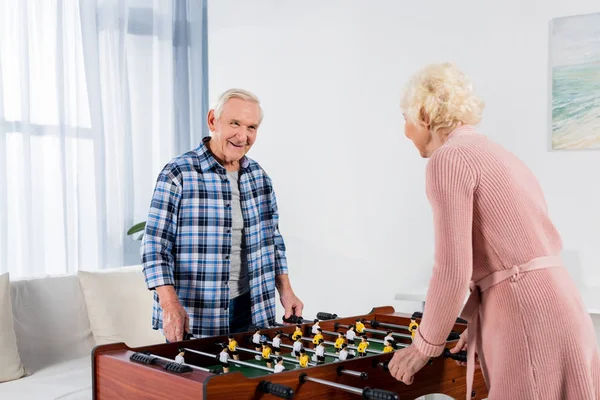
<point>412,328</point>
<point>232,345</point>
<point>303,359</point>
<point>360,327</point>
<point>388,348</point>
<point>297,333</point>
<point>339,342</point>
<point>317,337</point>
<point>266,353</point>
<point>362,347</point>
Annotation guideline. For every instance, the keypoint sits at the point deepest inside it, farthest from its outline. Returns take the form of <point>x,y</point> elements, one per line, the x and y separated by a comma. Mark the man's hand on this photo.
<point>175,320</point>
<point>290,302</point>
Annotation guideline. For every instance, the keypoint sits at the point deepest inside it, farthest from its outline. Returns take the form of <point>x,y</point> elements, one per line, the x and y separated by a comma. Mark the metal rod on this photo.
<point>368,339</point>
<point>346,388</point>
<point>386,325</point>
<point>232,361</point>
<point>384,333</point>
<point>189,365</point>
<point>284,358</point>
<point>349,346</point>
<point>359,374</point>
<point>287,346</point>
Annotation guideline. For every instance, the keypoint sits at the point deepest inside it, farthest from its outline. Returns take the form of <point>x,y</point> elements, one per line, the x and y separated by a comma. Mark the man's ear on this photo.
<point>211,120</point>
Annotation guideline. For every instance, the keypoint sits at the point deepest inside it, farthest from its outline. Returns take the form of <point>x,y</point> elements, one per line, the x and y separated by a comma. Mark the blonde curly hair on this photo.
<point>441,96</point>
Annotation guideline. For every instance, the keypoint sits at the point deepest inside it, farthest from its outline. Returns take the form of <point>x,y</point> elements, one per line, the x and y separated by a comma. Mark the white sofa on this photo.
<point>58,320</point>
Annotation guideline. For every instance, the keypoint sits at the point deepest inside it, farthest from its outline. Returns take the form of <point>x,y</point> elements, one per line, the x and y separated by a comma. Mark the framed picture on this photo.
<point>575,69</point>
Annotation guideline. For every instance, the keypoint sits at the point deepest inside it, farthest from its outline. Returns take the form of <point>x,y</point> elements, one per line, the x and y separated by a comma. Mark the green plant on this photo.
<point>137,228</point>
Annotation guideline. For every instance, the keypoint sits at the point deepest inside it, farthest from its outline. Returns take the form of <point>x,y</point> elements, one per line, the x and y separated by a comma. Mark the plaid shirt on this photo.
<point>187,242</point>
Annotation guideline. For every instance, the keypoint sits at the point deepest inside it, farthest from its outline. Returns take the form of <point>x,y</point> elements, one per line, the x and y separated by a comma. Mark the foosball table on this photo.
<point>266,363</point>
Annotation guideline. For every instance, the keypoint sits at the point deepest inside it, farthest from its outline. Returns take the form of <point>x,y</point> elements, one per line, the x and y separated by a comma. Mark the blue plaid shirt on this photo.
<point>187,242</point>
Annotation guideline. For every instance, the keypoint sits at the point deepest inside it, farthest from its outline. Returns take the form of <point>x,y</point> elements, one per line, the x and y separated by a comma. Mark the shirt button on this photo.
<point>228,205</point>
<point>228,230</point>
<point>227,257</point>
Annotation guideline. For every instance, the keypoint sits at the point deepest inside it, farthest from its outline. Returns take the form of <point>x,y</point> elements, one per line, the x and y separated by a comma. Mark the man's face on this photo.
<point>234,133</point>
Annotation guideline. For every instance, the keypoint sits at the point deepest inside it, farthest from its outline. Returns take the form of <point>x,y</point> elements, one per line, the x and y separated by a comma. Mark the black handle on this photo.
<point>460,356</point>
<point>277,390</point>
<point>293,319</point>
<point>418,314</point>
<point>379,394</point>
<point>323,316</point>
<point>453,336</point>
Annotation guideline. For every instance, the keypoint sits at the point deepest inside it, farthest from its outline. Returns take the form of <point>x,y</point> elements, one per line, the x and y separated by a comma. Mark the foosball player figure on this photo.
<point>362,347</point>
<point>317,337</point>
<point>360,327</point>
<point>232,345</point>
<point>277,343</point>
<point>224,358</point>
<point>297,347</point>
<point>388,347</point>
<point>339,342</point>
<point>179,358</point>
<point>297,333</point>
<point>256,341</point>
<point>344,354</point>
<point>279,366</point>
<point>315,326</point>
<point>350,335</point>
<point>412,328</point>
<point>389,339</point>
<point>320,352</point>
<point>266,354</point>
<point>303,358</point>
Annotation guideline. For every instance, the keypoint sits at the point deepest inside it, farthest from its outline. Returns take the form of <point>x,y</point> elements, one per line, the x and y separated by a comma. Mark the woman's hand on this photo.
<point>406,363</point>
<point>462,346</point>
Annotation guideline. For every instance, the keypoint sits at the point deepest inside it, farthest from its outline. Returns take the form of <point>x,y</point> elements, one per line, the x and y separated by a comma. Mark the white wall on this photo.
<point>350,186</point>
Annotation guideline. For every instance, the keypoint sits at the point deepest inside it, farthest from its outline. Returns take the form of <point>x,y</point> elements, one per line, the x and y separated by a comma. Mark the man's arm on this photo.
<point>160,233</point>
<point>281,267</point>
<point>157,252</point>
<point>289,300</point>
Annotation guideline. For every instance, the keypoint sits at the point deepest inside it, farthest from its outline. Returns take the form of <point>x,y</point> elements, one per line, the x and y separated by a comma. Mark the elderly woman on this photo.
<point>527,322</point>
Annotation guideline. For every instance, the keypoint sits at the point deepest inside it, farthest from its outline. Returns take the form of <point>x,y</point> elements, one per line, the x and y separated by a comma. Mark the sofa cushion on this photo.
<point>51,320</point>
<point>70,380</point>
<point>10,362</point>
<point>119,306</point>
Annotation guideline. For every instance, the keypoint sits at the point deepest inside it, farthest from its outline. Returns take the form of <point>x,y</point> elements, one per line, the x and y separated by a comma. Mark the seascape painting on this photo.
<point>575,66</point>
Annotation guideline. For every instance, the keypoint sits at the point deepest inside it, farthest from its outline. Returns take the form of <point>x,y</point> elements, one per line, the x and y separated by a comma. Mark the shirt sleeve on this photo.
<point>281,266</point>
<point>161,227</point>
<point>450,184</point>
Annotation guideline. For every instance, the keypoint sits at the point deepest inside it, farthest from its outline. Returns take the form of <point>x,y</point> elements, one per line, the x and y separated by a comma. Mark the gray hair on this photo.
<point>236,94</point>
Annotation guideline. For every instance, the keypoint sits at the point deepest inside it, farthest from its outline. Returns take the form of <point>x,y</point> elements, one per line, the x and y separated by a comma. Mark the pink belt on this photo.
<point>471,310</point>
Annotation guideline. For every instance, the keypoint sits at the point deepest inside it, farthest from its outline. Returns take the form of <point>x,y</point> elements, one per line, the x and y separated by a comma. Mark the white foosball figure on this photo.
<point>315,326</point>
<point>389,338</point>
<point>179,358</point>
<point>277,343</point>
<point>279,366</point>
<point>256,341</point>
<point>297,347</point>
<point>350,335</point>
<point>320,352</point>
<point>224,359</point>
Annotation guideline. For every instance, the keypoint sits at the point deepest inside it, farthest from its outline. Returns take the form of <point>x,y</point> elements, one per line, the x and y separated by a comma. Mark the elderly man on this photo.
<point>212,251</point>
